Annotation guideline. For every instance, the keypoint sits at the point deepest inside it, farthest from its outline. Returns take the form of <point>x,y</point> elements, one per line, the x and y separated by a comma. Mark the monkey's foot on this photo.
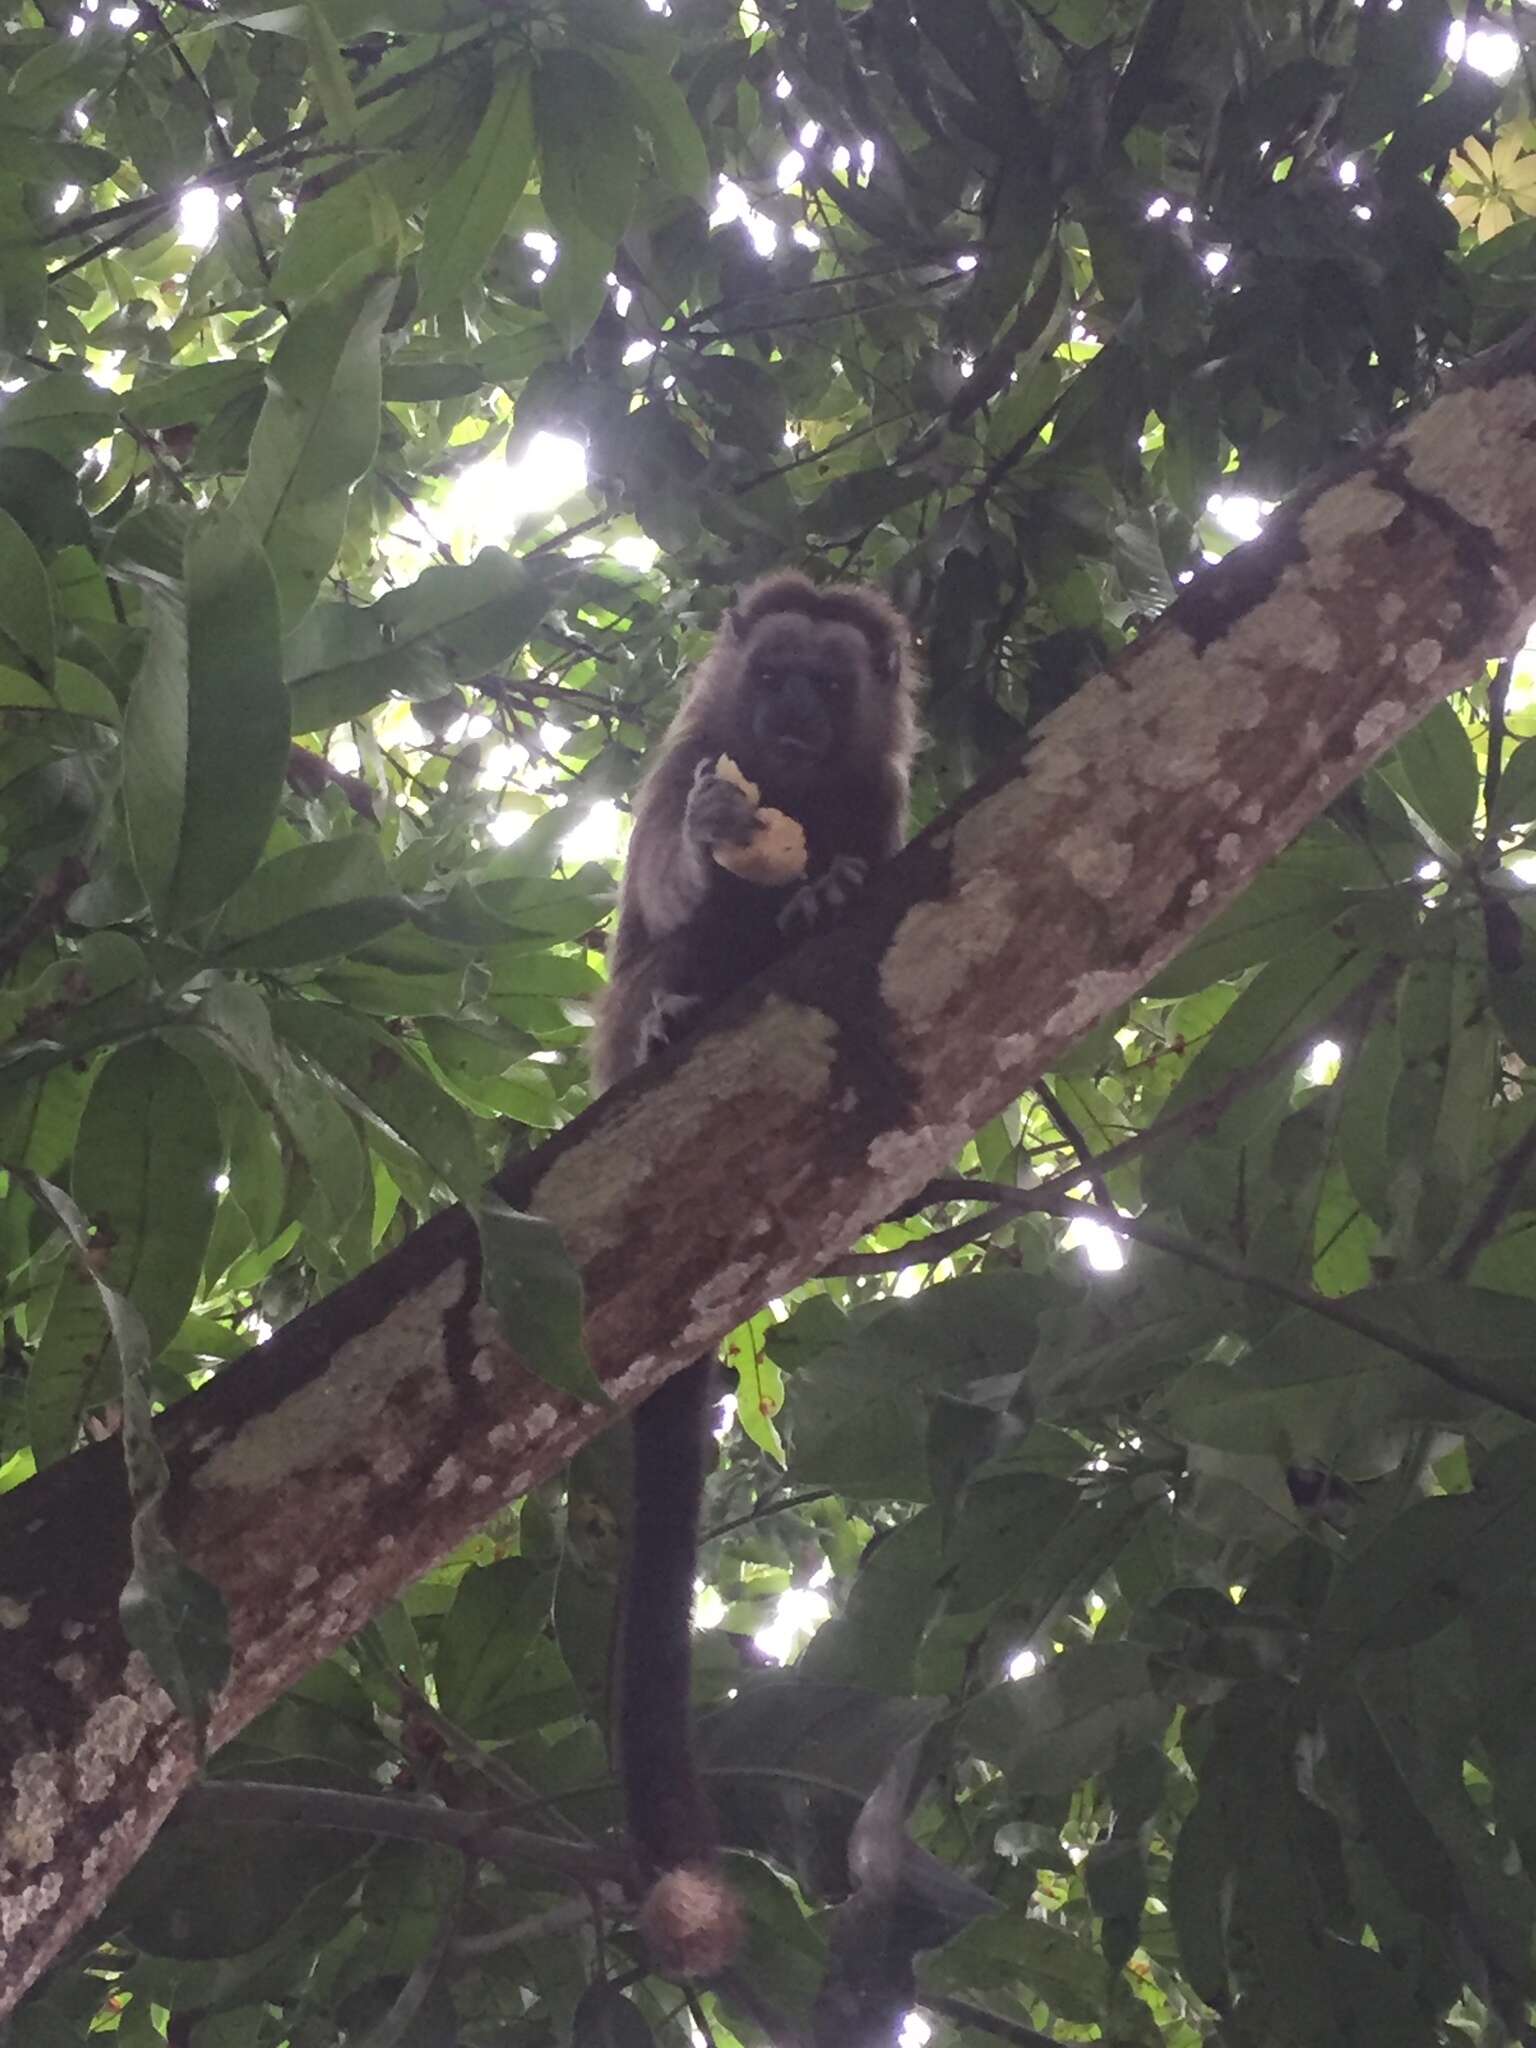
<point>836,886</point>
<point>658,1029</point>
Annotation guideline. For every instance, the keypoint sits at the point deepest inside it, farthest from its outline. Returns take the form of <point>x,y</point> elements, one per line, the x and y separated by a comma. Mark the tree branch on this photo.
<point>249,1802</point>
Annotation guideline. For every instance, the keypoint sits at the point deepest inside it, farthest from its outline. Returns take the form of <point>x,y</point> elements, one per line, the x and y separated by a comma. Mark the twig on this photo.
<point>491,1768</point>
<point>964,2014</point>
<point>1493,773</point>
<point>244,1800</point>
<point>217,138</point>
<point>764,1510</point>
<point>408,504</point>
<point>553,1920</point>
<point>1506,1181</point>
<point>1176,1245</point>
<point>277,154</point>
<point>309,773</point>
<point>397,2022</point>
<point>1092,1172</point>
<point>1197,1116</point>
<point>702,2030</point>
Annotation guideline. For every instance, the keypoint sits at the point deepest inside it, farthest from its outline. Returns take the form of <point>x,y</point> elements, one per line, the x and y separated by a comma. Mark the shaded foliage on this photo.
<point>1176,1614</point>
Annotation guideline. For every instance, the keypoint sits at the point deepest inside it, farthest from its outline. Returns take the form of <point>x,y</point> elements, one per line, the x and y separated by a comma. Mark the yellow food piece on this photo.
<point>776,852</point>
<point>727,771</point>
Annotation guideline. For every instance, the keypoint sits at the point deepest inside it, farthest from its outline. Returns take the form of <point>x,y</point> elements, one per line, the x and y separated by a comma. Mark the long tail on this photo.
<point>690,1919</point>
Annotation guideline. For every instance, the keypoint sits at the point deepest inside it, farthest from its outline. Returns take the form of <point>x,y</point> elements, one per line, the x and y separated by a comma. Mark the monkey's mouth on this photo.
<point>795,749</point>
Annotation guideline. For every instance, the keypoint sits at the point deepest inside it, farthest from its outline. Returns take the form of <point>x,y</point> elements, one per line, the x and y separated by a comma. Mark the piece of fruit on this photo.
<point>776,852</point>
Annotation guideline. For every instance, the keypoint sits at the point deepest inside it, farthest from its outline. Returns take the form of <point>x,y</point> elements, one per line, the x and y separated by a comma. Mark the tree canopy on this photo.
<point>1115,1620</point>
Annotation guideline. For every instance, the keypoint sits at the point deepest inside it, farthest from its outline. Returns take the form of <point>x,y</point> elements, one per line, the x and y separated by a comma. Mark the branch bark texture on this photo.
<point>320,1475</point>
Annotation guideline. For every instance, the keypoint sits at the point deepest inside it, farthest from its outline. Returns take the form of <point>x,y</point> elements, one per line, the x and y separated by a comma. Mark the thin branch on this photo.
<point>491,1768</point>
<point>279,153</point>
<point>408,504</point>
<point>244,1800</point>
<point>1507,1177</point>
<point>1498,700</point>
<point>1196,1117</point>
<point>218,140</point>
<point>309,773</point>
<point>570,1913</point>
<point>764,1510</point>
<point>964,2014</point>
<point>703,2031</point>
<point>393,2028</point>
<point>1092,1171</point>
<point>1176,1245</point>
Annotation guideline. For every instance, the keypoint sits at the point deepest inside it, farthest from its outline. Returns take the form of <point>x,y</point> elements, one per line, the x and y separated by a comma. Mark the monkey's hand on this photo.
<point>659,1026</point>
<point>718,813</point>
<point>834,887</point>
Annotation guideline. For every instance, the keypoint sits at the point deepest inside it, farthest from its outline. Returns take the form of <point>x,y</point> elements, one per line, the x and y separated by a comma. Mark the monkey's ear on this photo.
<point>735,622</point>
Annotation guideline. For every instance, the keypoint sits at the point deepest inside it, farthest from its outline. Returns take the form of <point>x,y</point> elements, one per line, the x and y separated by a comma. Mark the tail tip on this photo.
<point>691,1922</point>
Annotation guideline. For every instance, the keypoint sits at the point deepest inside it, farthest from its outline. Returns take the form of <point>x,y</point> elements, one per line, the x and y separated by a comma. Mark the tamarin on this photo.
<point>782,780</point>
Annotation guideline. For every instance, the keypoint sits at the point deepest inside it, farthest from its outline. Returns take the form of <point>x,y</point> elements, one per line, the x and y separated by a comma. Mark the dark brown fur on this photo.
<point>687,926</point>
<point>834,667</point>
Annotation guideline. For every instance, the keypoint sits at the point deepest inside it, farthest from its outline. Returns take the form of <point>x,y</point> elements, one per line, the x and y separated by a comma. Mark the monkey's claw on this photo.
<point>843,875</point>
<point>658,1029</point>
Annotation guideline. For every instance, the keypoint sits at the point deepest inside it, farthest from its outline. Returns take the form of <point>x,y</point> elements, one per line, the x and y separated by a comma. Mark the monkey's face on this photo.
<point>804,685</point>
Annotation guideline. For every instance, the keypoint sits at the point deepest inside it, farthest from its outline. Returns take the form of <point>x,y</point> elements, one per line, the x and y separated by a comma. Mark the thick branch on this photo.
<point>326,1471</point>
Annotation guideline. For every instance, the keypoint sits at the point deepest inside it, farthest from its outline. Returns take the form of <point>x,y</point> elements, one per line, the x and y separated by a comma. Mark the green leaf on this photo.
<point>239,1020</point>
<point>536,1291</point>
<point>148,1152</point>
<point>1516,802</point>
<point>71,1368</point>
<point>605,2018</point>
<point>195,391</point>
<point>588,154</point>
<point>449,625</point>
<point>26,603</point>
<point>861,501</point>
<point>469,215</point>
<point>1435,768</point>
<point>318,431</point>
<point>382,1073</point>
<point>75,693</point>
<point>314,902</point>
<point>1442,1557</point>
<point>661,108</point>
<point>1401,53</point>
<point>963,1436</point>
<point>572,295</point>
<point>168,1611</point>
<point>493,1651</point>
<point>862,1409</point>
<point>327,232</point>
<point>1280,1003</point>
<point>1072,1719</point>
<point>1296,896</point>
<point>60,413</point>
<point>205,742</point>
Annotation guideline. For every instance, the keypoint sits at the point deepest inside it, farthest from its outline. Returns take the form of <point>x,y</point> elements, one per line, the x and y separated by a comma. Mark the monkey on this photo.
<point>809,695</point>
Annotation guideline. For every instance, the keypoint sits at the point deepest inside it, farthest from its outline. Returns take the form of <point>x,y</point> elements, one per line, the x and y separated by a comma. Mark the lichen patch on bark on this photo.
<point>321,1417</point>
